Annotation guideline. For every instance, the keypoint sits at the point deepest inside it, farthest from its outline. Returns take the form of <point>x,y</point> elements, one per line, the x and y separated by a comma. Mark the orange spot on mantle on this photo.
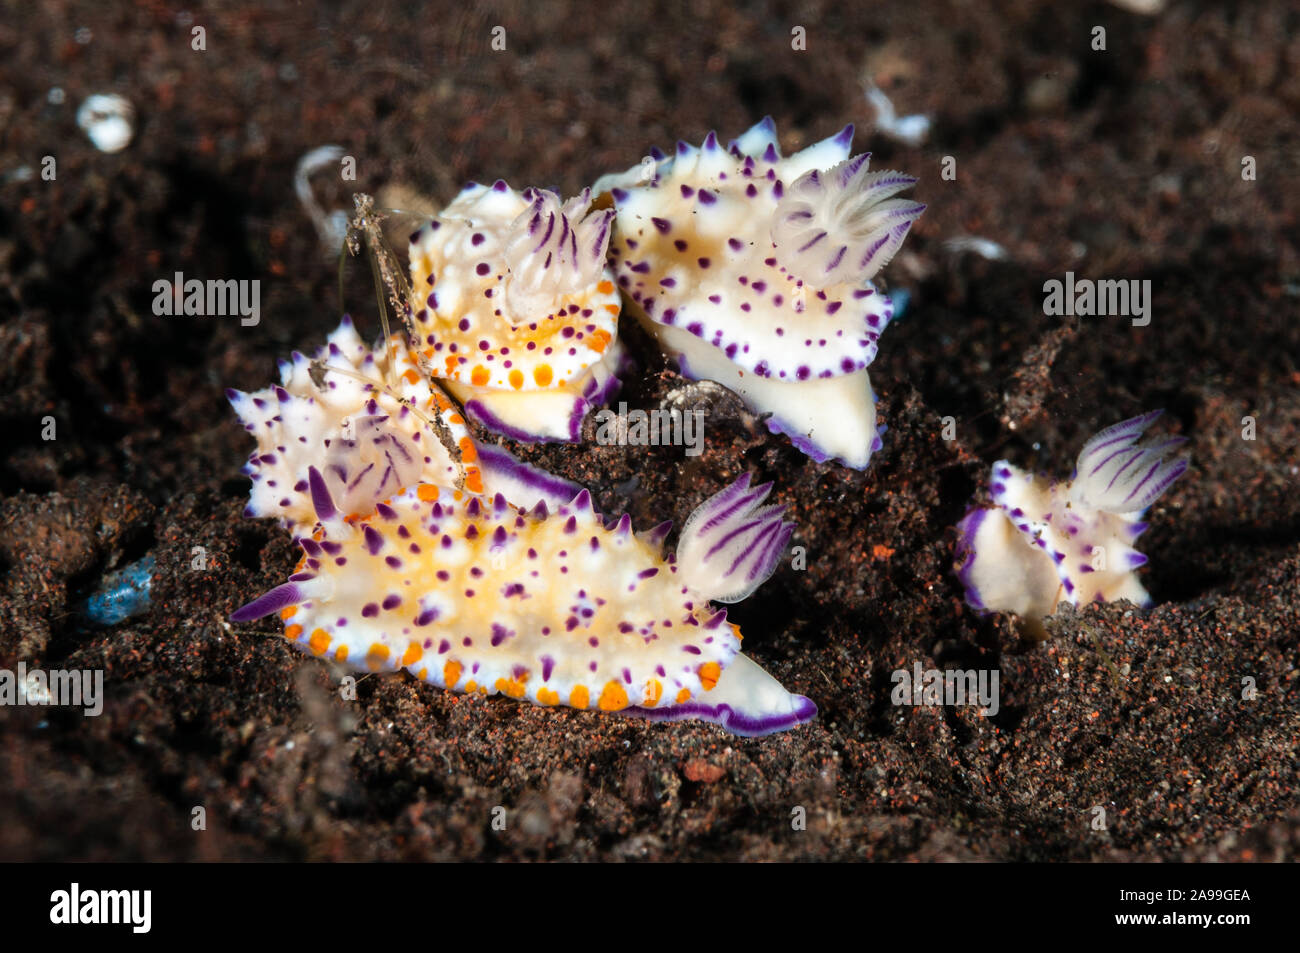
<point>514,687</point>
<point>709,673</point>
<point>377,656</point>
<point>613,697</point>
<point>319,641</point>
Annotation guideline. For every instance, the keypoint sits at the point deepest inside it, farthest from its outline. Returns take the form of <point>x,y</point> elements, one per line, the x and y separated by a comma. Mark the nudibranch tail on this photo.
<point>556,608</point>
<point>1044,542</point>
<point>731,544</point>
<point>515,310</point>
<point>746,701</point>
<point>753,270</point>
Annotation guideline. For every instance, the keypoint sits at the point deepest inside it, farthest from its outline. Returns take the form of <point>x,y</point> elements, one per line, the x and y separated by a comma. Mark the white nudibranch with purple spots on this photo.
<point>372,424</point>
<point>514,308</point>
<point>1046,542</point>
<point>556,608</point>
<point>753,270</point>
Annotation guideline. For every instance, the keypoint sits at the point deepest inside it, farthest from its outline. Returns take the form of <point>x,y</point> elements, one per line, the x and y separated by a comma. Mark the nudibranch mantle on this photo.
<point>555,608</point>
<point>369,438</point>
<point>514,308</point>
<point>752,269</point>
<point>1046,542</point>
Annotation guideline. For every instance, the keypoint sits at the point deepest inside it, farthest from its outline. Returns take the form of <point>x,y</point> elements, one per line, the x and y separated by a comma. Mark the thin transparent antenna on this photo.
<point>390,280</point>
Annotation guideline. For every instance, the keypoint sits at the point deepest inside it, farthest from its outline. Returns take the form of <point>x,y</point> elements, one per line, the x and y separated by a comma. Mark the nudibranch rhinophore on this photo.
<point>372,424</point>
<point>1046,542</point>
<point>555,608</point>
<point>515,310</point>
<point>753,270</point>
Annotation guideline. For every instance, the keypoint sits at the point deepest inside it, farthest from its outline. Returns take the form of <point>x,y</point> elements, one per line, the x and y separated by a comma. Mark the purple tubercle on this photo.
<point>656,535</point>
<point>321,500</point>
<point>281,597</point>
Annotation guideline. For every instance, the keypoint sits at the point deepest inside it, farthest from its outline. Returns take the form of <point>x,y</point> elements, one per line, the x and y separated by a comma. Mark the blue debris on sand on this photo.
<point>122,594</point>
<point>901,298</point>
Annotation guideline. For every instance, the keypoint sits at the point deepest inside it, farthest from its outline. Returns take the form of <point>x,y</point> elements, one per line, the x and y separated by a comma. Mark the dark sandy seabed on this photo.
<point>1122,164</point>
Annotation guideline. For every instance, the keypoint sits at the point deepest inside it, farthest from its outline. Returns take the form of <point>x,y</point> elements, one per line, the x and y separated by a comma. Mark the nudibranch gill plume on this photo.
<point>1046,542</point>
<point>514,308</point>
<point>753,270</point>
<point>556,608</point>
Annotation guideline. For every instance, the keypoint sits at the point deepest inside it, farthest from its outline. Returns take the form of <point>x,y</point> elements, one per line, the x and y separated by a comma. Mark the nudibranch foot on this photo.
<point>1045,542</point>
<point>514,308</point>
<point>555,608</point>
<point>753,270</point>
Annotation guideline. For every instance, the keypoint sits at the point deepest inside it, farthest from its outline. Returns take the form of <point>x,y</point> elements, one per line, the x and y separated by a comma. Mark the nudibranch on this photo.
<point>753,270</point>
<point>1045,542</point>
<point>515,310</point>
<point>372,425</point>
<point>556,608</point>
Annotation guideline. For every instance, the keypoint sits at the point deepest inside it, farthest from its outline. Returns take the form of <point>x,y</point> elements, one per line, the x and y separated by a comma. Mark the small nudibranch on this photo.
<point>558,609</point>
<point>369,438</point>
<point>754,271</point>
<point>1046,542</point>
<point>515,310</point>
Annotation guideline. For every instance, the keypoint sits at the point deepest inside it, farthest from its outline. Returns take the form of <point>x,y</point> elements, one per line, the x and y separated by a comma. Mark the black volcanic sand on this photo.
<point>1117,164</point>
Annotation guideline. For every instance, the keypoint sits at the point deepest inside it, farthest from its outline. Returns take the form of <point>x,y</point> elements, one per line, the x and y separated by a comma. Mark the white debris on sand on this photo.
<point>109,120</point>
